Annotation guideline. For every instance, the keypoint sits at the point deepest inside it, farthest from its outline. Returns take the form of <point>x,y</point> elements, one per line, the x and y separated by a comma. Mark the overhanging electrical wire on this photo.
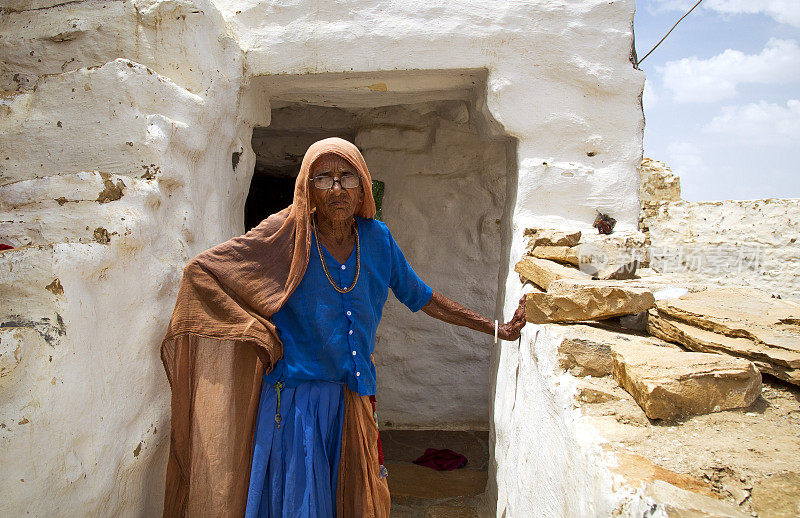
<point>668,33</point>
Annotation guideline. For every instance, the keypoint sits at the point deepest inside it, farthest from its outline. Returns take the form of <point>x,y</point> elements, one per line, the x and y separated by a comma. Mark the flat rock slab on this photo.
<point>551,237</point>
<point>574,300</point>
<point>739,321</point>
<point>778,362</point>
<point>543,272</point>
<point>670,384</point>
<point>679,503</point>
<point>586,350</point>
<point>588,260</point>
<point>559,254</point>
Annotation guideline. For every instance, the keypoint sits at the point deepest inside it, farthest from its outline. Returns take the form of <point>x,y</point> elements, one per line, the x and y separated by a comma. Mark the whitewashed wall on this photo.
<point>108,186</point>
<point>158,95</point>
<point>752,242</point>
<point>444,203</point>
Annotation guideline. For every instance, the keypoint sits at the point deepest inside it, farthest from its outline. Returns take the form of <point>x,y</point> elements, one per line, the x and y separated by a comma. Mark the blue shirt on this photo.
<point>329,335</point>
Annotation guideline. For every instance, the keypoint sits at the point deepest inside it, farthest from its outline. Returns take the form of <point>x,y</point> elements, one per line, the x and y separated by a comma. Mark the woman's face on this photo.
<point>335,203</point>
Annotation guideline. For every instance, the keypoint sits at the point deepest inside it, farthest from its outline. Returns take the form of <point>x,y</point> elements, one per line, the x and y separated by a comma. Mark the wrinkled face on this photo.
<point>334,203</point>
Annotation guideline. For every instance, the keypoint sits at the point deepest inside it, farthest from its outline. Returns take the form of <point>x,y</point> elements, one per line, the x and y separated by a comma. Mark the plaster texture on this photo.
<point>108,186</point>
<point>728,243</point>
<point>134,109</point>
<point>550,458</point>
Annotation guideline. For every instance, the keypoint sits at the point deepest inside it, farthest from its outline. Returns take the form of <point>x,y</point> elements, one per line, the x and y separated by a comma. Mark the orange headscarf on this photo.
<point>219,330</point>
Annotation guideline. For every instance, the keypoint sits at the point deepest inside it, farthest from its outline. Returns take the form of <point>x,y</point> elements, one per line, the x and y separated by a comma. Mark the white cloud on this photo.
<point>649,97</point>
<point>759,124</point>
<point>710,80</point>
<point>783,11</point>
<point>686,160</point>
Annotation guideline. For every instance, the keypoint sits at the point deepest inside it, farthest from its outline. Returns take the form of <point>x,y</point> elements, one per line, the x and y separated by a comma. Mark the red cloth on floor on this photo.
<point>441,460</point>
<point>4,246</point>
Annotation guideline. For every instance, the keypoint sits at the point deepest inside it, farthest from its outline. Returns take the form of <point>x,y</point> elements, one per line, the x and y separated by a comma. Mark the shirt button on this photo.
<point>349,313</point>
<point>344,267</point>
<point>354,353</point>
<point>358,373</point>
<point>350,332</point>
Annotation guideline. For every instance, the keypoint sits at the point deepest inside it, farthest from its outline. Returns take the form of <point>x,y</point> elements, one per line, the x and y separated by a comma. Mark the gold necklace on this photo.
<point>325,267</point>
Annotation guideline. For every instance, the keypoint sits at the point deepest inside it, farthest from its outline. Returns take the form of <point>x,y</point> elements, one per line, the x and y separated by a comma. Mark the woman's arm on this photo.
<point>452,312</point>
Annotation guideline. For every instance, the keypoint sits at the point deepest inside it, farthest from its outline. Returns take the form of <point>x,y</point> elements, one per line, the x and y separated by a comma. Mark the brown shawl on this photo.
<point>219,330</point>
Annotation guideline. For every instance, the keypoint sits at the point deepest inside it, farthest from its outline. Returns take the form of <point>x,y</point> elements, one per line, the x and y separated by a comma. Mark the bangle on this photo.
<point>495,331</point>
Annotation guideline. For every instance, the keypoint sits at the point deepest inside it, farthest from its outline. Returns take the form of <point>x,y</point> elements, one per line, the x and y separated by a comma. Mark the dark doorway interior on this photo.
<point>269,193</point>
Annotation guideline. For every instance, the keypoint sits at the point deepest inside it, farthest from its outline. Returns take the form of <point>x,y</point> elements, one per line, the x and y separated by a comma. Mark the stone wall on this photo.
<point>550,457</point>
<point>658,183</point>
<point>730,242</point>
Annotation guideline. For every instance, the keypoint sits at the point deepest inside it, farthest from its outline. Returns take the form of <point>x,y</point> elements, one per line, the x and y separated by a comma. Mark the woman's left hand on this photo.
<point>511,329</point>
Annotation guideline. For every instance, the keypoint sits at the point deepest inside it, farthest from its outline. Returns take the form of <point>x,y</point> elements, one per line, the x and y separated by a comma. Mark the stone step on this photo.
<point>573,300</point>
<point>738,321</point>
<point>670,384</point>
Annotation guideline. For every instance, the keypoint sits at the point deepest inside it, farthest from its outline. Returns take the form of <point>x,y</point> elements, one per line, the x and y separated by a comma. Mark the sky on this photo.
<point>722,96</point>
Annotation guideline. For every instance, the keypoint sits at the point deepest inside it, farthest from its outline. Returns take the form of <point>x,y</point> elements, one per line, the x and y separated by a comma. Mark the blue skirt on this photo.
<point>295,464</point>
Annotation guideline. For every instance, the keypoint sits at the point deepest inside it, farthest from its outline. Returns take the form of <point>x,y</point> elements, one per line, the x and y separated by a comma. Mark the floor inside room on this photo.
<point>422,492</point>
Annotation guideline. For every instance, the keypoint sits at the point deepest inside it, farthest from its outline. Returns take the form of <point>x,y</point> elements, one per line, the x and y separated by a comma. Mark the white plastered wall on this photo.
<point>173,108</point>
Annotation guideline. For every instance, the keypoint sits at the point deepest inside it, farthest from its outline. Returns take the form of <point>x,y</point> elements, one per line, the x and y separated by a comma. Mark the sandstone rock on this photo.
<point>551,237</point>
<point>777,496</point>
<point>636,470</point>
<point>679,503</point>
<point>658,183</point>
<point>586,350</point>
<point>777,362</point>
<point>589,392</point>
<point>621,247</point>
<point>560,254</point>
<point>572,300</point>
<point>737,321</point>
<point>678,495</point>
<point>542,272</point>
<point>602,260</point>
<point>615,271</point>
<point>668,384</point>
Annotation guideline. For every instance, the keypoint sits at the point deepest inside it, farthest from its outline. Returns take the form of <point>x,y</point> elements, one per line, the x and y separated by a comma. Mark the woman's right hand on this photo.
<point>513,328</point>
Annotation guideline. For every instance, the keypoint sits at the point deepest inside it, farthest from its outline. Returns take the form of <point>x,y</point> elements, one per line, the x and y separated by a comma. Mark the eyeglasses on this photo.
<point>347,181</point>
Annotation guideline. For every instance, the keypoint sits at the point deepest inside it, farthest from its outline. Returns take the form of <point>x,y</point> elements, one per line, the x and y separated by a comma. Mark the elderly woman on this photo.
<point>303,292</point>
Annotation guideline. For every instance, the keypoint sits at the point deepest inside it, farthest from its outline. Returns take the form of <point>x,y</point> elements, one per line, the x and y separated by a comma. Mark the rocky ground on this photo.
<point>694,388</point>
<point>723,463</point>
<point>747,457</point>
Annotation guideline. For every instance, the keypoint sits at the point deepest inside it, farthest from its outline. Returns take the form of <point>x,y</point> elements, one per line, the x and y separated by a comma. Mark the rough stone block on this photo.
<point>560,254</point>
<point>587,350</point>
<point>550,237</point>
<point>571,300</point>
<point>669,384</point>
<point>738,321</point>
<point>543,272</point>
